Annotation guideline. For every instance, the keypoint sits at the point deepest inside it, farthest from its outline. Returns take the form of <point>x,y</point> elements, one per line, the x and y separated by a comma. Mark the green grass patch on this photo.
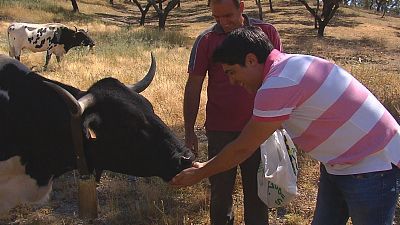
<point>60,13</point>
<point>129,42</point>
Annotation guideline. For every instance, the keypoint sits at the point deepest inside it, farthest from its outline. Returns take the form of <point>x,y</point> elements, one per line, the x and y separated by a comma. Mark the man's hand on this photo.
<point>191,141</point>
<point>189,176</point>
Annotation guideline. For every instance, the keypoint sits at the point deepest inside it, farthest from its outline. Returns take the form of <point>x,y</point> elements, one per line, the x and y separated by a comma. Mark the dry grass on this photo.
<point>360,41</point>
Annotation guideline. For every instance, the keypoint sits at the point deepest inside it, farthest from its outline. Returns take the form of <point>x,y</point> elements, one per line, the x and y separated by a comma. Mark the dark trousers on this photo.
<point>222,185</point>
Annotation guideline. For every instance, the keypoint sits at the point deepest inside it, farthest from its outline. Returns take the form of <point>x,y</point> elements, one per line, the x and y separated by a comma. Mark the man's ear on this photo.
<point>241,6</point>
<point>251,59</point>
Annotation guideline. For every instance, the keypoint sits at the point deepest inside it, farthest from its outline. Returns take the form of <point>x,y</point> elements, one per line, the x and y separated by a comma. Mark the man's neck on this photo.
<point>270,60</point>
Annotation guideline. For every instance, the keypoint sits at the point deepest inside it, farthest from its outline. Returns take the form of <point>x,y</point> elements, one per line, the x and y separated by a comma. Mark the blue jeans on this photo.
<point>369,198</point>
<point>222,185</point>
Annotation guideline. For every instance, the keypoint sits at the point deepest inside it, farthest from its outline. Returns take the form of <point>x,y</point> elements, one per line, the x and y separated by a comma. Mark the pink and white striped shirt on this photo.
<point>328,113</point>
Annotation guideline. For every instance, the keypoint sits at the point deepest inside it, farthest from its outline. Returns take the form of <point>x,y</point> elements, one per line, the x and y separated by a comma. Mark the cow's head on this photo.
<point>83,38</point>
<point>72,38</point>
<point>123,134</point>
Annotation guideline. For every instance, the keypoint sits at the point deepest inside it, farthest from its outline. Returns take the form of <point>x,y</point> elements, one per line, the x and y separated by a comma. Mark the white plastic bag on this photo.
<point>277,174</point>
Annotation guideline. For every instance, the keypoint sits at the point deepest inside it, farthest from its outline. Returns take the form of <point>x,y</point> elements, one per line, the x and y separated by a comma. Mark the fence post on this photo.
<point>87,197</point>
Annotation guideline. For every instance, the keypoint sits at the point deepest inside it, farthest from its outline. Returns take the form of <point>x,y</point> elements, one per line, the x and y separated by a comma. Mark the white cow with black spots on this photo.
<point>52,37</point>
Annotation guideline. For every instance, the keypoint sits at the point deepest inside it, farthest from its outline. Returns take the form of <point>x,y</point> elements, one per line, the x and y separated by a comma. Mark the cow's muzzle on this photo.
<point>187,160</point>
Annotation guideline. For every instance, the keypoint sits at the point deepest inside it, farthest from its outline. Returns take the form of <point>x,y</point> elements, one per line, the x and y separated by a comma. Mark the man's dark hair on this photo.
<point>241,42</point>
<point>235,2</point>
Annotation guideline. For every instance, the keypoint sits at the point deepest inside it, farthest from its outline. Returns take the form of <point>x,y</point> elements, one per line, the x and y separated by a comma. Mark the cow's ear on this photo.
<point>91,133</point>
<point>90,126</point>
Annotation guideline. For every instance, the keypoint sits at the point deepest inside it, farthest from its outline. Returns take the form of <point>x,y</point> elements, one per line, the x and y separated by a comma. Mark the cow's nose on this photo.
<point>186,162</point>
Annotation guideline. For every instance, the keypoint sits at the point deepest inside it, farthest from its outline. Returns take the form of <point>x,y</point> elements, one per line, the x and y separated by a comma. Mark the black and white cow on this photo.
<point>53,38</point>
<point>120,132</point>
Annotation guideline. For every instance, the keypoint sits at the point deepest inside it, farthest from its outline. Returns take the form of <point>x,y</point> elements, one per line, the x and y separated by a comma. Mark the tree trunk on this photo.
<point>143,12</point>
<point>384,8</point>
<point>260,12</point>
<point>161,22</point>
<point>321,30</point>
<point>372,4</point>
<point>163,14</point>
<point>160,4</point>
<point>378,5</point>
<point>270,6</point>
<point>315,18</point>
<point>74,6</point>
<point>328,11</point>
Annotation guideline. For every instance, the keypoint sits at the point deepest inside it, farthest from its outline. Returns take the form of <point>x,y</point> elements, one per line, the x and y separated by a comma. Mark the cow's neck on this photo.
<point>68,46</point>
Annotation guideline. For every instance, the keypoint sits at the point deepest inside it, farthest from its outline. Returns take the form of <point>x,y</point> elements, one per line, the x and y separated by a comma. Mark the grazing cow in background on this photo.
<point>120,131</point>
<point>53,38</point>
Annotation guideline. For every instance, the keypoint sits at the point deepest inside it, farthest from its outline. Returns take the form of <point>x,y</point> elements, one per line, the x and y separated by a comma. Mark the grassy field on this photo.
<point>360,41</point>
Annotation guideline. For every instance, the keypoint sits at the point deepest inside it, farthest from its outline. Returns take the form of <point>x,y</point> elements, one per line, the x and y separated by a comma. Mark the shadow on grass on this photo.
<point>396,28</point>
<point>292,16</point>
<point>115,19</point>
<point>178,18</point>
<point>305,41</point>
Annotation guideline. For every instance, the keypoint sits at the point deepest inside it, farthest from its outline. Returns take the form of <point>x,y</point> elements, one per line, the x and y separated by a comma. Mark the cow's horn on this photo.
<point>145,82</point>
<point>86,101</point>
<point>75,107</point>
<point>76,29</point>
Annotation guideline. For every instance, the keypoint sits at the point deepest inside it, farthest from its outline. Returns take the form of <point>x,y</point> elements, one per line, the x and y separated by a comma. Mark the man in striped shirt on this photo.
<point>329,115</point>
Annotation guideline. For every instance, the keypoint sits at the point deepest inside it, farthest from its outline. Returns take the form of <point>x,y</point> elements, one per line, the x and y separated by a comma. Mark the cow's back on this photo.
<point>7,63</point>
<point>35,37</point>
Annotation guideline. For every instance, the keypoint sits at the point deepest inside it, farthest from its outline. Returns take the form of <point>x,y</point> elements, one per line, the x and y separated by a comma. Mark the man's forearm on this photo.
<point>231,156</point>
<point>191,102</point>
<point>251,137</point>
<point>190,111</point>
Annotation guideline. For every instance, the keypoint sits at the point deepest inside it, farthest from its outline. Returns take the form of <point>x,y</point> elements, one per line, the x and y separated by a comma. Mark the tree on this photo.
<point>260,12</point>
<point>329,9</point>
<point>143,11</point>
<point>74,6</point>
<point>270,6</point>
<point>379,5</point>
<point>316,11</point>
<point>161,13</point>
